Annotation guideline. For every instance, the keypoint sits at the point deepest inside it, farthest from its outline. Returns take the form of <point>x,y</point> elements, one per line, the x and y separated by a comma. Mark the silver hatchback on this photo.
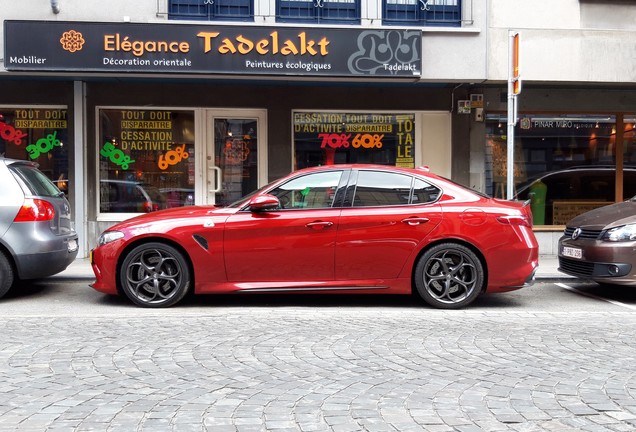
<point>36,235</point>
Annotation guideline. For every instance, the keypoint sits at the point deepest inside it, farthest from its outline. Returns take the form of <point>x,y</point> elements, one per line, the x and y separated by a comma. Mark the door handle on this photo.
<point>217,179</point>
<point>415,220</point>
<point>318,225</point>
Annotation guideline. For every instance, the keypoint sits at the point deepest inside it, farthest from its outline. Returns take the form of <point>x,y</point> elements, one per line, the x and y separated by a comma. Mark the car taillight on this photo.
<point>35,210</point>
<point>515,220</point>
<point>149,206</point>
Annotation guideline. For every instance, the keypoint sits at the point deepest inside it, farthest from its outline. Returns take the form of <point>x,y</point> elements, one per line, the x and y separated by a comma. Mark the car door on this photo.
<point>390,215</point>
<point>292,244</point>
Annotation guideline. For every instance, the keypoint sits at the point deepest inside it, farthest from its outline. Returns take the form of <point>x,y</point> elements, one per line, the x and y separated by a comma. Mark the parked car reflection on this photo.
<point>574,190</point>
<point>126,196</point>
<point>178,197</point>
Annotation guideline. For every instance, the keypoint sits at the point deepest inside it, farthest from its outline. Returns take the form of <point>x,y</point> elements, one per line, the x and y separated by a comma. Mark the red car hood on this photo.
<point>187,212</point>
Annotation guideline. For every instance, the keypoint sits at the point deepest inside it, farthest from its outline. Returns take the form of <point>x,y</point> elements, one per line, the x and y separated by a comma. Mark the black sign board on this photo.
<point>211,49</point>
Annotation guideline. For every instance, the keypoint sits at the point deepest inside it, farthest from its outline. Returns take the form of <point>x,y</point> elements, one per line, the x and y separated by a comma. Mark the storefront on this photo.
<point>558,161</point>
<point>157,116</point>
<point>574,150</point>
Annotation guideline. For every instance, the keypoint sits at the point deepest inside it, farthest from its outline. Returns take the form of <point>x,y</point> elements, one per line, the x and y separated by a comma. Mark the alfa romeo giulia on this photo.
<point>331,229</point>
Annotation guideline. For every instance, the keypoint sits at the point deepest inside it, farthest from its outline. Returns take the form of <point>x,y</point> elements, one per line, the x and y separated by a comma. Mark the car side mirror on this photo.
<point>263,203</point>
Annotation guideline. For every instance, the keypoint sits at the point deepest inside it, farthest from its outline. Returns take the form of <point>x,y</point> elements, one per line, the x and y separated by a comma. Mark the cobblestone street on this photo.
<point>339,368</point>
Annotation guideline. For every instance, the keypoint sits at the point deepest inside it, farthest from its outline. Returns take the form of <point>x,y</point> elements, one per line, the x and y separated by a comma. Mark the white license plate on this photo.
<point>572,252</point>
<point>72,245</point>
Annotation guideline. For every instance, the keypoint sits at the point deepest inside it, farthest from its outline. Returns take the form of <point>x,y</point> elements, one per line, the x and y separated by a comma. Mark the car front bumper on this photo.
<point>600,261</point>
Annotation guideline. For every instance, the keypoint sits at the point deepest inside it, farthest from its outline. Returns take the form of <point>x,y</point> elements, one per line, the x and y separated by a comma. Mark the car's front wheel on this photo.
<point>6,275</point>
<point>449,276</point>
<point>155,275</point>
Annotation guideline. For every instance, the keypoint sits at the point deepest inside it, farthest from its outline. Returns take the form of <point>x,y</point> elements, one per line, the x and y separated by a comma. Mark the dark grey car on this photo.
<point>601,245</point>
<point>36,235</point>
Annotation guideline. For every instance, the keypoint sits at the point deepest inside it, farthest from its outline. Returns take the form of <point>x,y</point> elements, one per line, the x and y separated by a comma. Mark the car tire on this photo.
<point>155,275</point>
<point>7,275</point>
<point>449,276</point>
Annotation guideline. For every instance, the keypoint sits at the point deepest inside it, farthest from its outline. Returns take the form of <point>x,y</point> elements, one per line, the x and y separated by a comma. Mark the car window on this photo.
<point>598,187</point>
<point>424,192</point>
<point>309,191</point>
<point>376,188</point>
<point>34,180</point>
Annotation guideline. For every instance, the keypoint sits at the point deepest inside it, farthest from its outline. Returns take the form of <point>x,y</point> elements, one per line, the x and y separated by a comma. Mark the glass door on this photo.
<point>236,158</point>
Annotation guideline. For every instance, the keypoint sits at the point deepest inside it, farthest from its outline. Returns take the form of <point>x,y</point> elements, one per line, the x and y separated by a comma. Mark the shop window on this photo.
<point>328,138</point>
<point>318,11</point>
<point>629,138</point>
<point>211,10</point>
<point>39,135</point>
<point>429,13</point>
<point>146,160</point>
<point>565,164</point>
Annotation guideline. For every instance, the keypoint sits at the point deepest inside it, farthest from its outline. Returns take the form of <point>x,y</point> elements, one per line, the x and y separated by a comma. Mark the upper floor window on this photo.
<point>211,10</point>
<point>445,13</point>
<point>318,11</point>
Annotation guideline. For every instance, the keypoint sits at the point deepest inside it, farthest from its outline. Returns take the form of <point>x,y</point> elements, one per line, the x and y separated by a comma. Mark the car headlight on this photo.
<point>109,236</point>
<point>621,233</point>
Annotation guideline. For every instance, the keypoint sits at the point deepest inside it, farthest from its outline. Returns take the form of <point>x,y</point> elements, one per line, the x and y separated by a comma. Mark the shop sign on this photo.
<point>358,132</point>
<point>211,49</point>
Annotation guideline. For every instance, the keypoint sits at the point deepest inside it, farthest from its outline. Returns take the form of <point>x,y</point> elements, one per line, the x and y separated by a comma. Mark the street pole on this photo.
<point>514,88</point>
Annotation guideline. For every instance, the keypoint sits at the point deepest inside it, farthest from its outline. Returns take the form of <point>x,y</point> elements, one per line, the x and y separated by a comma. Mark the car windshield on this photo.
<point>35,181</point>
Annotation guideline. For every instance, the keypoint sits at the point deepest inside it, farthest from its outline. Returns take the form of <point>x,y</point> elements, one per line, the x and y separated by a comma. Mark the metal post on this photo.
<point>512,119</point>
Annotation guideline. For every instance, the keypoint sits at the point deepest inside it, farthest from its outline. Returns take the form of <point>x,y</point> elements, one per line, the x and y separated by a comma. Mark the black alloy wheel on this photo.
<point>155,275</point>
<point>449,276</point>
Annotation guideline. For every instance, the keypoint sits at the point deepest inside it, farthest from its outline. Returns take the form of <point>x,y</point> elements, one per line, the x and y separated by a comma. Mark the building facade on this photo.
<point>158,103</point>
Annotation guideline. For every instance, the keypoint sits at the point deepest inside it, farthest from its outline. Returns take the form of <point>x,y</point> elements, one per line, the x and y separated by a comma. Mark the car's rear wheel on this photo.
<point>449,276</point>
<point>6,275</point>
<point>155,275</point>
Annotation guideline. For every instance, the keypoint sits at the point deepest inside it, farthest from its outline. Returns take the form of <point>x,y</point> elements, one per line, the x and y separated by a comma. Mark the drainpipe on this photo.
<point>55,6</point>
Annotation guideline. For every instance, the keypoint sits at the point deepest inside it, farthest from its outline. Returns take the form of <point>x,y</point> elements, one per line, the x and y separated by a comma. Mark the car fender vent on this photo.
<point>201,240</point>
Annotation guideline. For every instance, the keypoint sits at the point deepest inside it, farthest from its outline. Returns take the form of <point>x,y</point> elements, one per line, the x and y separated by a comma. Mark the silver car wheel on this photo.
<point>155,275</point>
<point>6,275</point>
<point>449,276</point>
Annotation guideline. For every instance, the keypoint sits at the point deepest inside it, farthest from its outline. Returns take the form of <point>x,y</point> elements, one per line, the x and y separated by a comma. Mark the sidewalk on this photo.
<point>548,265</point>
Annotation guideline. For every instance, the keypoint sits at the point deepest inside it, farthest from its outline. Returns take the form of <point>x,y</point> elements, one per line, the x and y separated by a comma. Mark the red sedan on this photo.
<point>332,229</point>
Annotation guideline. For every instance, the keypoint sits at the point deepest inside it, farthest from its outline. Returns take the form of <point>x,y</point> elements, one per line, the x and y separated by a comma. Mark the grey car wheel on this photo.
<point>449,276</point>
<point>6,275</point>
<point>155,275</point>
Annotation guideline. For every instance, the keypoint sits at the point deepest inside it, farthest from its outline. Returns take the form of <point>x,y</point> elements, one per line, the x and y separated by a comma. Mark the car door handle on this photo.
<point>318,225</point>
<point>415,220</point>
